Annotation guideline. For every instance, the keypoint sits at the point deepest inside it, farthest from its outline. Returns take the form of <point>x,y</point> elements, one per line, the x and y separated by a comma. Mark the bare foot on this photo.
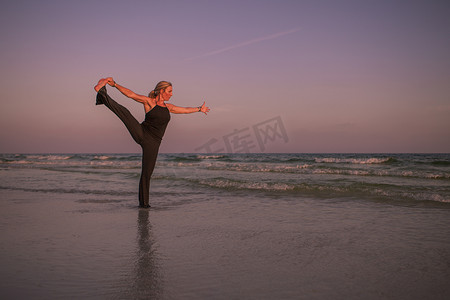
<point>101,83</point>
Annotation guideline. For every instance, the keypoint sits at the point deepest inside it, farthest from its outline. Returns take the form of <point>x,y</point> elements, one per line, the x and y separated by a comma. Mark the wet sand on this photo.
<point>62,246</point>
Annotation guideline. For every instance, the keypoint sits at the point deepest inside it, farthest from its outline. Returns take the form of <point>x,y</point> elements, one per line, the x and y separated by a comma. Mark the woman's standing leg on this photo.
<point>133,126</point>
<point>150,148</point>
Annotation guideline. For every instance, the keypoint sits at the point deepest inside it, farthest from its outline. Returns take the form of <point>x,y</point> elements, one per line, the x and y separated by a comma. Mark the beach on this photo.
<point>203,242</point>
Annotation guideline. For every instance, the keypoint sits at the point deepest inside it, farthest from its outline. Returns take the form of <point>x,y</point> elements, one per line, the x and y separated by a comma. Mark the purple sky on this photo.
<point>343,76</point>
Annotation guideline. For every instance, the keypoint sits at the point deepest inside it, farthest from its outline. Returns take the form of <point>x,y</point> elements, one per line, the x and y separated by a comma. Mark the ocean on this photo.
<point>402,179</point>
<point>226,226</point>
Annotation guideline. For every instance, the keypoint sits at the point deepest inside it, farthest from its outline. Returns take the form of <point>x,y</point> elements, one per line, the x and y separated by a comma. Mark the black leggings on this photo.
<point>149,143</point>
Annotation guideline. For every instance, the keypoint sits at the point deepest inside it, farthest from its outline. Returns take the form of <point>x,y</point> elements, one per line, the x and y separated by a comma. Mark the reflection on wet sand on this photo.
<point>147,283</point>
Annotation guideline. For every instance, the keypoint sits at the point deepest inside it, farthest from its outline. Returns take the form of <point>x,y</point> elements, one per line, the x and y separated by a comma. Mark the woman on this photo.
<point>149,133</point>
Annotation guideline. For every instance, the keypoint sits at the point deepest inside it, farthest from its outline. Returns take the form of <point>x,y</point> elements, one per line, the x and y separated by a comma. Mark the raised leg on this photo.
<point>133,126</point>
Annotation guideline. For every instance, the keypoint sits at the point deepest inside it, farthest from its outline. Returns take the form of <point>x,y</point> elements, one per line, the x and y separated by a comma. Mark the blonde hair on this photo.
<point>162,85</point>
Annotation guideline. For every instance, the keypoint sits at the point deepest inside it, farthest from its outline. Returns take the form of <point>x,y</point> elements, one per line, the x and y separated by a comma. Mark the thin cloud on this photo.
<point>247,43</point>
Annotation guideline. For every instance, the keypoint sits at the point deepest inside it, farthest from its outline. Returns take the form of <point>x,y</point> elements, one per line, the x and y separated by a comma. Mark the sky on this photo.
<point>307,76</point>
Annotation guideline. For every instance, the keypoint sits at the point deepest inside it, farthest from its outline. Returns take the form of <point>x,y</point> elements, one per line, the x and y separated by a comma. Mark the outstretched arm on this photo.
<point>187,110</point>
<point>127,92</point>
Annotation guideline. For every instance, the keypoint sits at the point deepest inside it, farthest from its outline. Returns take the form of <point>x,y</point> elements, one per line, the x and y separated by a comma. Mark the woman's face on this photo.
<point>166,94</point>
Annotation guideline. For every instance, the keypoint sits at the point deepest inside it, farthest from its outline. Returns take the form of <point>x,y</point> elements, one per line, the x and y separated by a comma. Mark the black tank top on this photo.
<point>156,121</point>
